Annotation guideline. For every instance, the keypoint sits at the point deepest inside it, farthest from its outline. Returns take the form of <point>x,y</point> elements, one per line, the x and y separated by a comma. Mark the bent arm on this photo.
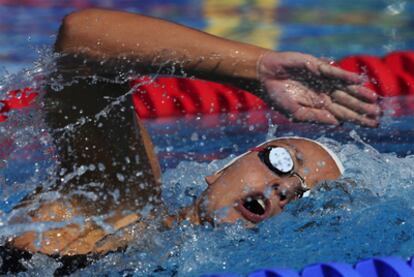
<point>146,43</point>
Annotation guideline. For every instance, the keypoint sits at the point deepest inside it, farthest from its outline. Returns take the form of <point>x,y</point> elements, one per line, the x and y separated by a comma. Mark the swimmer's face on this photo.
<point>252,190</point>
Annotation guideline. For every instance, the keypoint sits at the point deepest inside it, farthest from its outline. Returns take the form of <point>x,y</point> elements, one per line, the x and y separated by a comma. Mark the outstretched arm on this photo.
<point>146,43</point>
<point>303,87</point>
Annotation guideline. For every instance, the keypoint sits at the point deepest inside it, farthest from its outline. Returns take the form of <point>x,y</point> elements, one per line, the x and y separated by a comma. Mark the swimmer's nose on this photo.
<point>287,190</point>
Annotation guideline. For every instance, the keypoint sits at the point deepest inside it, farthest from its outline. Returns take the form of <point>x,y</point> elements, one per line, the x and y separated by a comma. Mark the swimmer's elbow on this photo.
<point>72,31</point>
<point>67,31</point>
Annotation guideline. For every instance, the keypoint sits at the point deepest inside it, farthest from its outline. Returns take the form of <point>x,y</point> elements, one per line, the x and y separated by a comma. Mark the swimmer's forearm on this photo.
<point>146,43</point>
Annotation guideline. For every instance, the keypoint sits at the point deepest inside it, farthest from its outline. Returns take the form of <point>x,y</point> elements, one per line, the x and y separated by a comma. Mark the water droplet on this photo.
<point>321,163</point>
<point>120,177</point>
<point>194,136</point>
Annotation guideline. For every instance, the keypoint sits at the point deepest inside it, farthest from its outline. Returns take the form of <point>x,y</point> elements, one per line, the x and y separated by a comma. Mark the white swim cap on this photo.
<point>334,157</point>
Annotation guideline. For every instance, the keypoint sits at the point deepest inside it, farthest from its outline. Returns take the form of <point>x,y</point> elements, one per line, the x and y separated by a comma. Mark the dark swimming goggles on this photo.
<point>279,160</point>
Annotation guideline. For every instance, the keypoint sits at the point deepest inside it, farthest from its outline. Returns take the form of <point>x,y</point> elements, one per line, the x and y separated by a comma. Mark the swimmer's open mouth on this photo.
<point>254,208</point>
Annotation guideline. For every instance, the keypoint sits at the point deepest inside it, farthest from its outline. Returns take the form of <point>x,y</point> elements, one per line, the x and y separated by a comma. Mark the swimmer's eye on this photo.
<point>277,159</point>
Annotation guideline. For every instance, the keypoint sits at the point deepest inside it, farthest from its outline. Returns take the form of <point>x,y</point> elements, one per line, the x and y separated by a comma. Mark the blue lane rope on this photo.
<point>372,267</point>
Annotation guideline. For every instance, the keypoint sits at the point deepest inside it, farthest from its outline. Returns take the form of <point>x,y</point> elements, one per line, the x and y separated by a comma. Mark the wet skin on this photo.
<point>249,178</point>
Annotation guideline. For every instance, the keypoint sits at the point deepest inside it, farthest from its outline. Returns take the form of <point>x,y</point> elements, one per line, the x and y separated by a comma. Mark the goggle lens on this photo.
<point>280,159</point>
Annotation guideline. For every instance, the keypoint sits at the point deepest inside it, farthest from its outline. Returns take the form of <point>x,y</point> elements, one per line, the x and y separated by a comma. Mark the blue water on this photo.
<point>323,28</point>
<point>369,212</point>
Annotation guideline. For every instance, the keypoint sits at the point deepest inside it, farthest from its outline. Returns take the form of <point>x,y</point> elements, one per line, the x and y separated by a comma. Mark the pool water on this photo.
<point>323,28</point>
<point>368,212</point>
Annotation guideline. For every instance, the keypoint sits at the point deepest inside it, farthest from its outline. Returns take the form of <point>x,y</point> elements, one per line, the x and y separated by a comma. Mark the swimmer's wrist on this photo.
<point>245,62</point>
<point>260,69</point>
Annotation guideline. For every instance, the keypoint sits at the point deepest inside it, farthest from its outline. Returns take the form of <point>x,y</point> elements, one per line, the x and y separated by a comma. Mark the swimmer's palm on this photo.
<point>309,89</point>
<point>72,238</point>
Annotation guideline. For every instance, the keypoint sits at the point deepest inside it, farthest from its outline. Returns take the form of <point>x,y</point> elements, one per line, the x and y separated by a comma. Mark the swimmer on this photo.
<point>108,171</point>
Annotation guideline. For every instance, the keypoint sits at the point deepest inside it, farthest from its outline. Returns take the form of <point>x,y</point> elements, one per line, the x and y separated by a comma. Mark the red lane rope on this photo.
<point>16,99</point>
<point>392,75</point>
<point>178,96</point>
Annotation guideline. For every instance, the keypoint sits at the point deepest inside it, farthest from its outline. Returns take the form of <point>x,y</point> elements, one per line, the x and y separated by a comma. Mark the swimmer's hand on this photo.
<point>72,239</point>
<point>306,88</point>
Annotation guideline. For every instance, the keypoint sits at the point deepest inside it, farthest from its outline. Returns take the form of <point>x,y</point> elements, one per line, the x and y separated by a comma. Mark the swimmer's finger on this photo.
<point>334,72</point>
<point>362,93</point>
<point>314,115</point>
<point>346,114</point>
<point>356,105</point>
<point>309,98</point>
